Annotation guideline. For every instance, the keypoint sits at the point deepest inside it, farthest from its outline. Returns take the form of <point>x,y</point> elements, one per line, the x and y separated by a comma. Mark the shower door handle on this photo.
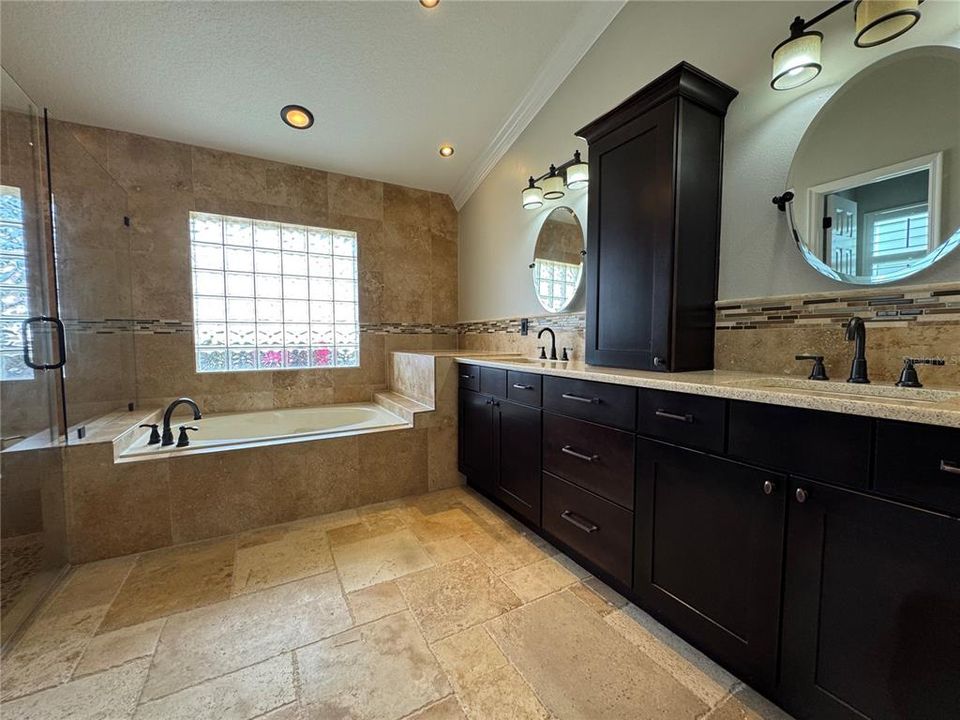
<point>61,343</point>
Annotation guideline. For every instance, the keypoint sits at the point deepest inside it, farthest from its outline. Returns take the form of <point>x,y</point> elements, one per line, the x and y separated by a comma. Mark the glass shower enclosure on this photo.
<point>32,418</point>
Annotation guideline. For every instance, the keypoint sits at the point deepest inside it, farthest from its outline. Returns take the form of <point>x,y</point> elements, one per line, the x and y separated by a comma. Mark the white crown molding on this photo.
<point>589,25</point>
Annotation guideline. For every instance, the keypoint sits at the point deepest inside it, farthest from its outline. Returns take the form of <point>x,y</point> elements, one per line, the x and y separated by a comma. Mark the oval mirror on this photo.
<point>558,259</point>
<point>876,177</point>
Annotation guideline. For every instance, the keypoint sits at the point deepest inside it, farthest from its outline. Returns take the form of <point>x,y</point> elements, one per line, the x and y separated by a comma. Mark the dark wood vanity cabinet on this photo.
<point>499,450</point>
<point>654,224</point>
<point>816,555</point>
<point>517,455</point>
<point>709,553</point>
<point>871,611</point>
<point>476,457</point>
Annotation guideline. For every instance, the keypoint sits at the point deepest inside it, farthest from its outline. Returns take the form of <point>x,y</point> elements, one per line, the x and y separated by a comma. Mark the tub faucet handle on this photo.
<point>184,440</point>
<point>154,433</point>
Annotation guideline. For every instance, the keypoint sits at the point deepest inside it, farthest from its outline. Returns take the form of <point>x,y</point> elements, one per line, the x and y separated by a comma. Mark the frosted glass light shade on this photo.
<point>796,61</point>
<point>553,187</point>
<point>532,197</point>
<point>578,176</point>
<point>881,20</point>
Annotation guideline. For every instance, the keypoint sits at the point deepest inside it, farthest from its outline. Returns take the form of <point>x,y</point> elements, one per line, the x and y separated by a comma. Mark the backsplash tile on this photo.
<point>764,334</point>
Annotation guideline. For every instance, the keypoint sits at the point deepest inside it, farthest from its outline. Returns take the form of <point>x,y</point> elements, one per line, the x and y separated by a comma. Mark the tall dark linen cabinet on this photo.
<point>653,233</point>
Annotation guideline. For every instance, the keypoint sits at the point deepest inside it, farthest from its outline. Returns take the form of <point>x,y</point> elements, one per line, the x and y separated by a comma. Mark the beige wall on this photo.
<point>407,242</point>
<point>731,40</point>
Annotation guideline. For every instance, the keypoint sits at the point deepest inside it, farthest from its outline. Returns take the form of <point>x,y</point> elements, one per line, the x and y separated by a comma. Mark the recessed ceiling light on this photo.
<point>429,3</point>
<point>446,150</point>
<point>297,116</point>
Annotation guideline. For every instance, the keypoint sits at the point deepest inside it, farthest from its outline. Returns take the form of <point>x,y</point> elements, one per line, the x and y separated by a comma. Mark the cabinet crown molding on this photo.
<point>682,80</point>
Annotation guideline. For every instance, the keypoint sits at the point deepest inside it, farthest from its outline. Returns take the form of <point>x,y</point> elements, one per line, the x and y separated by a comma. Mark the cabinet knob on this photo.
<point>802,495</point>
<point>659,361</point>
<point>768,487</point>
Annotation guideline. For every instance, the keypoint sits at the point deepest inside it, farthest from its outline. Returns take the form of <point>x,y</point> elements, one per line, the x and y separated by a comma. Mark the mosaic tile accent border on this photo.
<point>561,321</point>
<point>929,304</point>
<point>116,326</point>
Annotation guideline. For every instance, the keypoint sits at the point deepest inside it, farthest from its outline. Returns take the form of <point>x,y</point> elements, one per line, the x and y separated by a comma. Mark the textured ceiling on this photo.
<point>387,81</point>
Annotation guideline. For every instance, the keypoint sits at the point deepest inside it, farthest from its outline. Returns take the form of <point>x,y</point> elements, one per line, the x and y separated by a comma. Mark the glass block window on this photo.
<point>556,282</point>
<point>14,293</point>
<point>272,296</point>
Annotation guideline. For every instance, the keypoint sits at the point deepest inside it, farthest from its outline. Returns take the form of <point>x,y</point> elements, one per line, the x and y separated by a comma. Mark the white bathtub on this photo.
<point>267,427</point>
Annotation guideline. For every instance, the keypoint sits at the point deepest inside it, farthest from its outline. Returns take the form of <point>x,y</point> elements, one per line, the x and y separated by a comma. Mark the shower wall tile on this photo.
<point>407,240</point>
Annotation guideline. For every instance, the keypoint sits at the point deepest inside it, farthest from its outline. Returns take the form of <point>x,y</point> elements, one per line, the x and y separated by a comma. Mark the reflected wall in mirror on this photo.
<point>876,177</point>
<point>558,259</point>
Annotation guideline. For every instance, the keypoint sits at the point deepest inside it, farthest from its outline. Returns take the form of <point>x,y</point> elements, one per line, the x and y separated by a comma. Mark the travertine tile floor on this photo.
<point>434,607</point>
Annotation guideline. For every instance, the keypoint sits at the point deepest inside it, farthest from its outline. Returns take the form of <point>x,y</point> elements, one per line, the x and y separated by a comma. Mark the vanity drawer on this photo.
<point>493,381</point>
<point>614,405</point>
<point>919,463</point>
<point>596,529</point>
<point>597,458</point>
<point>524,387</point>
<point>689,420</point>
<point>469,377</point>
<point>819,445</point>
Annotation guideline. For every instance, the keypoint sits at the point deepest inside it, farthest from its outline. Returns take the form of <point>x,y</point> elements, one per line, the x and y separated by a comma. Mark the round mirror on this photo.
<point>876,177</point>
<point>558,259</point>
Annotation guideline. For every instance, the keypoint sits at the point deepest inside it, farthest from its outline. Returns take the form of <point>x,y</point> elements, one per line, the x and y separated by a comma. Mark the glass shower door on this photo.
<point>32,541</point>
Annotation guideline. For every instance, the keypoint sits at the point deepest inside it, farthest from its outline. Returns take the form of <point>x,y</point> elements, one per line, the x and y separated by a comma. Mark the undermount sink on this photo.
<point>849,391</point>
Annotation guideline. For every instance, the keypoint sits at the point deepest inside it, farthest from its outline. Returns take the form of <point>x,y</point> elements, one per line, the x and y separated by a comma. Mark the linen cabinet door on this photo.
<point>709,549</point>
<point>630,243</point>
<point>476,440</point>
<point>517,483</point>
<point>871,615</point>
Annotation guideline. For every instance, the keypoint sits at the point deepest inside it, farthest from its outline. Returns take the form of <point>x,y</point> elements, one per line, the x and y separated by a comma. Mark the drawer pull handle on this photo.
<point>518,386</point>
<point>567,450</point>
<point>579,522</point>
<point>688,418</point>
<point>579,398</point>
<point>467,377</point>
<point>950,467</point>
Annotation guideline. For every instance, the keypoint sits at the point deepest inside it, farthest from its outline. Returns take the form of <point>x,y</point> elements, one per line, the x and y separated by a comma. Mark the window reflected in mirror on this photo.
<point>558,259</point>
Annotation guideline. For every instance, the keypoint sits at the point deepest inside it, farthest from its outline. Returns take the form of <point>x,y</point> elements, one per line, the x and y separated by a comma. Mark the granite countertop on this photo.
<point>931,406</point>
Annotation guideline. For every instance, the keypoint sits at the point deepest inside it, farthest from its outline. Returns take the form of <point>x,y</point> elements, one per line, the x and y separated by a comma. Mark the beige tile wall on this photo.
<point>407,263</point>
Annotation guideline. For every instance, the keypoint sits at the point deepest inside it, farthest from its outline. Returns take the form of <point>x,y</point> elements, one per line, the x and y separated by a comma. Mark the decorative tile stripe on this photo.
<point>114,326</point>
<point>929,304</point>
<point>562,321</point>
<point>407,329</point>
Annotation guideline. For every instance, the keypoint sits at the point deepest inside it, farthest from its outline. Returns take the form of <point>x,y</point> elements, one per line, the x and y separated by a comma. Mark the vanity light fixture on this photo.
<point>445,150</point>
<point>296,116</point>
<point>553,185</point>
<point>878,21</point>
<point>574,174</point>
<point>532,196</point>
<point>578,174</point>
<point>796,61</point>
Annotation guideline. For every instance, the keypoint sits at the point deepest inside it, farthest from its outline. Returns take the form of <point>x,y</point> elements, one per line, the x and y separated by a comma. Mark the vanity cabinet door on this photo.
<point>630,242</point>
<point>476,439</point>
<point>517,439</point>
<point>871,624</point>
<point>709,552</point>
